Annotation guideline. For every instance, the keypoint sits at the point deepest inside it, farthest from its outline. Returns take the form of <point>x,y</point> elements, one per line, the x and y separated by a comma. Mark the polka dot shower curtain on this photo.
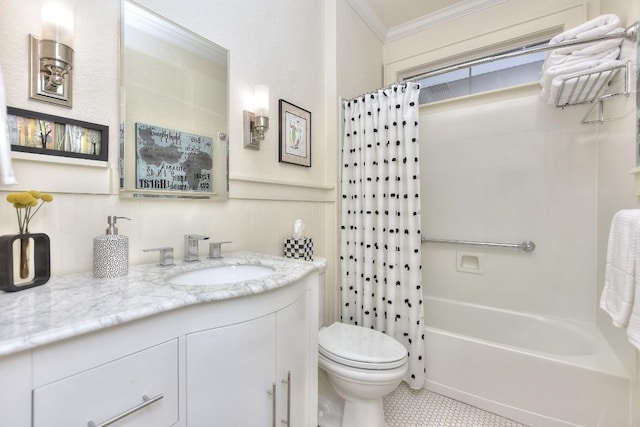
<point>380,219</point>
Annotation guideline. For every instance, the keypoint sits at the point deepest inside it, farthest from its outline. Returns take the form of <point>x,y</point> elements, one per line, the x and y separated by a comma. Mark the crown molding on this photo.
<point>365,11</point>
<point>370,17</point>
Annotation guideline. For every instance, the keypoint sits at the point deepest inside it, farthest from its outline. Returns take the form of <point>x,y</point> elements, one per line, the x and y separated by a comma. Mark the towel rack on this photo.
<point>586,88</point>
<point>526,246</point>
<point>630,33</point>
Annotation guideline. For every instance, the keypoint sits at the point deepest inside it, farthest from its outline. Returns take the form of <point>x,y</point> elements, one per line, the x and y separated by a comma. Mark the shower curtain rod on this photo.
<point>389,86</point>
<point>631,33</point>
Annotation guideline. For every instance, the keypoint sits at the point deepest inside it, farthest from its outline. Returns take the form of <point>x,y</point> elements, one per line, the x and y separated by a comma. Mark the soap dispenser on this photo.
<point>111,252</point>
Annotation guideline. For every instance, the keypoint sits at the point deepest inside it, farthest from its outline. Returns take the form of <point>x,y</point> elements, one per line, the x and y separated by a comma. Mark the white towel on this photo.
<point>6,168</point>
<point>622,268</point>
<point>592,57</point>
<point>601,25</point>
<point>565,70</point>
<point>580,90</point>
<point>633,328</point>
<point>593,49</point>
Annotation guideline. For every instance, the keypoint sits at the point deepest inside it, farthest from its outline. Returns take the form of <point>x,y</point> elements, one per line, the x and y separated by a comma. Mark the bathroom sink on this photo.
<point>219,275</point>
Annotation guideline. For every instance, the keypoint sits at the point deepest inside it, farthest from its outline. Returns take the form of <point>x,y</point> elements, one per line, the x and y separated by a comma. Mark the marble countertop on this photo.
<point>75,304</point>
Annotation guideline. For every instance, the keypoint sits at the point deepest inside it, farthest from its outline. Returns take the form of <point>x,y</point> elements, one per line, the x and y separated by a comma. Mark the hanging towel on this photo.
<point>6,169</point>
<point>622,268</point>
<point>633,328</point>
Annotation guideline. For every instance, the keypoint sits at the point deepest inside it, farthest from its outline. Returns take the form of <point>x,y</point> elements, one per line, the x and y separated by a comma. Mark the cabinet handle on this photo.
<point>288,383</point>
<point>146,401</point>
<point>272,393</point>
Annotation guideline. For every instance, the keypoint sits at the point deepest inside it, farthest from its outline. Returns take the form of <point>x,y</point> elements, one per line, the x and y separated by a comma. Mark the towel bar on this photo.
<point>527,245</point>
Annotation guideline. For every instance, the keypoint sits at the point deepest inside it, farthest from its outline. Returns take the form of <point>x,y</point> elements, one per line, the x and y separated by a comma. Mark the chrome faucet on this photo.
<point>191,246</point>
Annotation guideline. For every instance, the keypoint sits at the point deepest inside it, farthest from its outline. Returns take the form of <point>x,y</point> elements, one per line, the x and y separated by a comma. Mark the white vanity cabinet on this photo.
<point>223,362</point>
<point>254,373</point>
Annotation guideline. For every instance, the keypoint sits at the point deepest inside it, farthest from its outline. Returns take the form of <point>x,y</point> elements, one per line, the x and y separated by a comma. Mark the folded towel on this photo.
<point>576,90</point>
<point>563,62</point>
<point>6,168</point>
<point>592,49</point>
<point>601,25</point>
<point>576,67</point>
<point>622,268</point>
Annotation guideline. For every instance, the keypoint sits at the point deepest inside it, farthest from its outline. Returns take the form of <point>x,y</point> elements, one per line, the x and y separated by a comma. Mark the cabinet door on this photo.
<point>113,390</point>
<point>229,374</point>
<point>293,357</point>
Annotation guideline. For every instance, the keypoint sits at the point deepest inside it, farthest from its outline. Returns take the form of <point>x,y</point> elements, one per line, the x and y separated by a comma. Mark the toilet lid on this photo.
<point>360,347</point>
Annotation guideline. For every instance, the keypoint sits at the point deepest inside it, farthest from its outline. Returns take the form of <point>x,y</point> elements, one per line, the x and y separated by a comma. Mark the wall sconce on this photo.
<point>51,57</point>
<point>255,125</point>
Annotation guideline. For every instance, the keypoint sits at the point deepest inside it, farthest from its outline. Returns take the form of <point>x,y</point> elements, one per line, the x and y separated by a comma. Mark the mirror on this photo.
<point>174,110</point>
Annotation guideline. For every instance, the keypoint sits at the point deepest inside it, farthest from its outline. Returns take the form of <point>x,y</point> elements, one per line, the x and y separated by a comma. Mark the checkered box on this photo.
<point>299,248</point>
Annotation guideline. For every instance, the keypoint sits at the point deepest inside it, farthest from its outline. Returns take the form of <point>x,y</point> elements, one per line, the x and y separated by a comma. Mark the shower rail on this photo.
<point>526,246</point>
<point>630,33</point>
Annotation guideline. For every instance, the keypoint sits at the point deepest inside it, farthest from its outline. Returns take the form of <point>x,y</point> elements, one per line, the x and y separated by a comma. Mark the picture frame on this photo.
<point>33,132</point>
<point>294,134</point>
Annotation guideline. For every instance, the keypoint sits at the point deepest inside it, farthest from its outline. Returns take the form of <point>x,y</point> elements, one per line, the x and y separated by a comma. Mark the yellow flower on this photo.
<point>23,202</point>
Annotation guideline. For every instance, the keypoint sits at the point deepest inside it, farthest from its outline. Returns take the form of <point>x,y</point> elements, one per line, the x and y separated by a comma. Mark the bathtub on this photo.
<point>537,370</point>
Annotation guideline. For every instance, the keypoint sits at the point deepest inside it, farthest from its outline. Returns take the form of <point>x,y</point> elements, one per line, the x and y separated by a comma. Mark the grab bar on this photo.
<point>527,245</point>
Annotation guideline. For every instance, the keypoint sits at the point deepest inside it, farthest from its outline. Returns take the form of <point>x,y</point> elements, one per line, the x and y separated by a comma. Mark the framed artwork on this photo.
<point>32,132</point>
<point>173,160</point>
<point>295,134</point>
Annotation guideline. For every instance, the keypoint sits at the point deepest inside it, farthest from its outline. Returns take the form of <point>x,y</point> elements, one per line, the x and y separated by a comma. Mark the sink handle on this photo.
<point>215,249</point>
<point>166,256</point>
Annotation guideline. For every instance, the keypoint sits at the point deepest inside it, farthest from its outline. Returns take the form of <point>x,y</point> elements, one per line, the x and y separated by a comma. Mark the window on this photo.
<point>483,77</point>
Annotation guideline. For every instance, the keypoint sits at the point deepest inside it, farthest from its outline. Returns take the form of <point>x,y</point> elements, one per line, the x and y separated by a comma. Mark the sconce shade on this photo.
<point>57,23</point>
<point>261,100</point>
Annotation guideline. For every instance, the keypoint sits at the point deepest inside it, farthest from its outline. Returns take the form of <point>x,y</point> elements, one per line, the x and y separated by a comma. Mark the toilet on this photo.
<point>362,366</point>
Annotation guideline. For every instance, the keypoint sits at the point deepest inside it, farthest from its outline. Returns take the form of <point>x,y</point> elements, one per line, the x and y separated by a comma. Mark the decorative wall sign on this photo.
<point>38,133</point>
<point>171,160</point>
<point>295,134</point>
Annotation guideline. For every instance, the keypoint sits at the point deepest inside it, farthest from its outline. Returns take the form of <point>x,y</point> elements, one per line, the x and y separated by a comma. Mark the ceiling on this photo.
<point>394,19</point>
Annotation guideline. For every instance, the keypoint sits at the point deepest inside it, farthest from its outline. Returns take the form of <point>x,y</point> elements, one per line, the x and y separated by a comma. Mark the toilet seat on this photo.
<point>360,347</point>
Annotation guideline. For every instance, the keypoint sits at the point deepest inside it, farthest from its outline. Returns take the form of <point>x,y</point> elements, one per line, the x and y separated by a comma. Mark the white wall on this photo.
<point>508,170</point>
<point>359,54</point>
<point>280,43</point>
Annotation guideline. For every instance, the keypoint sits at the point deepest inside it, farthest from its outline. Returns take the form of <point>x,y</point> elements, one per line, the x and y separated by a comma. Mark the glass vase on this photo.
<point>25,257</point>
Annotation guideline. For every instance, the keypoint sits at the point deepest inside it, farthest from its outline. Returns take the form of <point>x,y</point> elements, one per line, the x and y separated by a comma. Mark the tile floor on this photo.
<point>410,408</point>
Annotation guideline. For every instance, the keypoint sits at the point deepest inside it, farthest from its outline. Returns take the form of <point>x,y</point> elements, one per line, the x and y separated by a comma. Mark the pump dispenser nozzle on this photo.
<point>111,220</point>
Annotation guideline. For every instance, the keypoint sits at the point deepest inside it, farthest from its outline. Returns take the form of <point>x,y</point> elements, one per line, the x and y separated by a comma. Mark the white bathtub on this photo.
<point>536,370</point>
